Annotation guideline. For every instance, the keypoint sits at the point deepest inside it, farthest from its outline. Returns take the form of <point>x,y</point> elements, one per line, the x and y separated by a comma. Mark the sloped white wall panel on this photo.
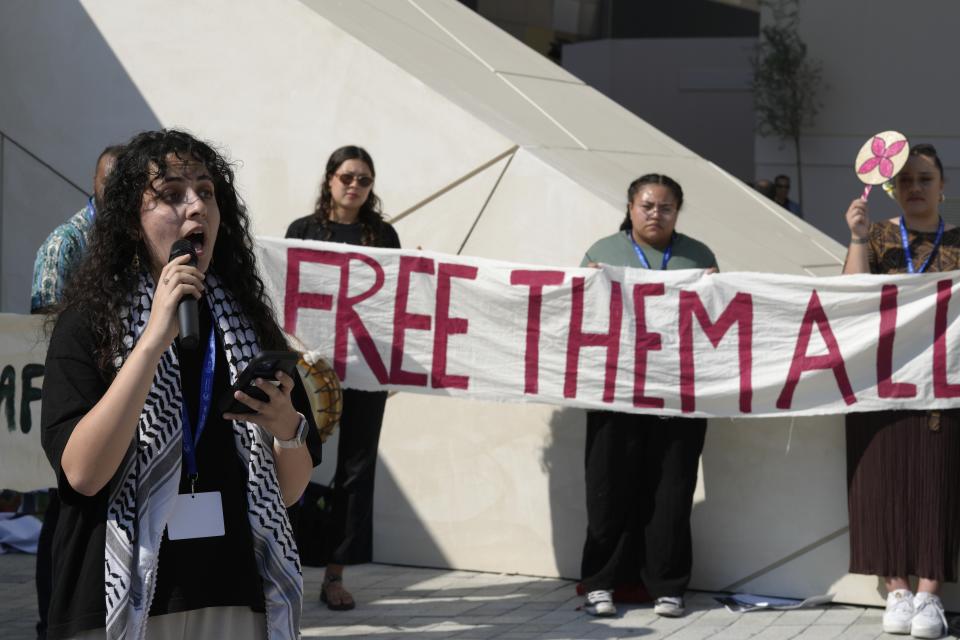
<point>444,223</point>
<point>498,49</point>
<point>481,486</point>
<point>286,88</point>
<point>756,477</point>
<point>593,120</point>
<point>416,45</point>
<point>539,215</point>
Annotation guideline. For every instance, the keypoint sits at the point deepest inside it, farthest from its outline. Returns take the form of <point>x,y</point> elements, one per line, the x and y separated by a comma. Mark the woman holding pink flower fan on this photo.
<point>903,467</point>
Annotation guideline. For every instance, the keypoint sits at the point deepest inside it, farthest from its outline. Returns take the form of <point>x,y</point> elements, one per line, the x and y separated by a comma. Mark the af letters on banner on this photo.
<point>23,347</point>
<point>615,338</point>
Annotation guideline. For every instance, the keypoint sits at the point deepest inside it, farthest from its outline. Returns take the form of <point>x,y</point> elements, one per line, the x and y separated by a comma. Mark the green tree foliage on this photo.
<point>786,83</point>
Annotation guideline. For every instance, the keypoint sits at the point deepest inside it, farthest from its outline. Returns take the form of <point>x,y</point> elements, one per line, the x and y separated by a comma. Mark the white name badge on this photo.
<point>196,515</point>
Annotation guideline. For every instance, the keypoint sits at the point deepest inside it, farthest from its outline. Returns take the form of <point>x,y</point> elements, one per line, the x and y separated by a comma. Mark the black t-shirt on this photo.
<point>192,574</point>
<point>309,228</point>
<point>220,571</point>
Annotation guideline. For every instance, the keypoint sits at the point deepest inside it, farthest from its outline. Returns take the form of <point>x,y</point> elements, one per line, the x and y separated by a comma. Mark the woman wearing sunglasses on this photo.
<point>348,211</point>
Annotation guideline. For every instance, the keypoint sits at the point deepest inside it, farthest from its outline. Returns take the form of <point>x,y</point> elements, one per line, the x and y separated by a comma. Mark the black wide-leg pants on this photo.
<point>350,538</point>
<point>641,473</point>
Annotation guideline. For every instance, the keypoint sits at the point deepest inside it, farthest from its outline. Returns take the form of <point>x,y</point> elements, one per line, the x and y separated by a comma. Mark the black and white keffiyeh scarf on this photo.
<point>144,499</point>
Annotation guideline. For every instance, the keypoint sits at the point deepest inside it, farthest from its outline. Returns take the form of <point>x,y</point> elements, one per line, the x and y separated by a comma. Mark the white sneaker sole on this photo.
<point>898,629</point>
<point>927,633</point>
<point>602,612</point>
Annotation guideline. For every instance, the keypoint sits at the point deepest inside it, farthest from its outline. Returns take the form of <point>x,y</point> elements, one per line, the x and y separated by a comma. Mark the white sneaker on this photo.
<point>669,607</point>
<point>929,620</point>
<point>600,603</point>
<point>899,614</point>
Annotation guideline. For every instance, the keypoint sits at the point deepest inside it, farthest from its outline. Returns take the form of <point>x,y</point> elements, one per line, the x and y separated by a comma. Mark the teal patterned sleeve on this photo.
<point>43,293</point>
<point>56,259</point>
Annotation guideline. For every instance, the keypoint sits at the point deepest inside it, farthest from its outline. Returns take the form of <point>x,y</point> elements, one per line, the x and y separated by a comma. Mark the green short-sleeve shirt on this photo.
<point>617,250</point>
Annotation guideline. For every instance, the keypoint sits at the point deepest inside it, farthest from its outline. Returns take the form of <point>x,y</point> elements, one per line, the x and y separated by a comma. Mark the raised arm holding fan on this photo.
<point>903,467</point>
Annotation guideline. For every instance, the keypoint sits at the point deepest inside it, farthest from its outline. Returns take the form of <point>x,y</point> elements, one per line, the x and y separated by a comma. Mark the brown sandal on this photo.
<point>339,606</point>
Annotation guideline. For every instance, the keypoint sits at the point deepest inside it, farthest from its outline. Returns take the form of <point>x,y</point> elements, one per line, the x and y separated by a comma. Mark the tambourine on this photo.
<point>323,390</point>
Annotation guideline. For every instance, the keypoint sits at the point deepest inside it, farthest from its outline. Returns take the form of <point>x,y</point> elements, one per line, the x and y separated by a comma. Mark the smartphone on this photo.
<point>262,366</point>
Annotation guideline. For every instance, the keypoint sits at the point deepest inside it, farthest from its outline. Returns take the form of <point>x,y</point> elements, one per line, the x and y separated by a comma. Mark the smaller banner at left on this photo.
<point>23,347</point>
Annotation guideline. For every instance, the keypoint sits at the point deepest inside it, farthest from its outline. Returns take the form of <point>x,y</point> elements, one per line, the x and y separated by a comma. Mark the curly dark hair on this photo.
<point>370,216</point>
<point>650,178</point>
<point>116,253</point>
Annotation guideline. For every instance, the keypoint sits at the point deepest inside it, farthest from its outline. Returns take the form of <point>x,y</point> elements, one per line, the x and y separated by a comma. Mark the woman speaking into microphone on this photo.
<point>173,522</point>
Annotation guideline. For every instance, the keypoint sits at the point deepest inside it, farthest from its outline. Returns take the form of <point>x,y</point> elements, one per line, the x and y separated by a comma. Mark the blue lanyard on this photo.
<point>206,399</point>
<point>643,257</point>
<point>906,247</point>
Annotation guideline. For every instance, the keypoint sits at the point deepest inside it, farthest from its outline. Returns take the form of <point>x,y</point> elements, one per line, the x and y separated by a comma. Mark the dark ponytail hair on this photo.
<point>650,178</point>
<point>370,217</point>
<point>928,151</point>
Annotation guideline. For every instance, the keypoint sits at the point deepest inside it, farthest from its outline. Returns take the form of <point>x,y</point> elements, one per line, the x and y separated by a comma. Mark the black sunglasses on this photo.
<point>348,179</point>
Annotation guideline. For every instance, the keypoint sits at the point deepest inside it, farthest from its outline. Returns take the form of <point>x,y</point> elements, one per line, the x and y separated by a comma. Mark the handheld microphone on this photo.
<point>187,313</point>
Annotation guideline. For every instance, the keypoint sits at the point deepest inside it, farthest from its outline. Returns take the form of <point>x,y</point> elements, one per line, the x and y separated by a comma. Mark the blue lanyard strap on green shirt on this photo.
<point>667,254</point>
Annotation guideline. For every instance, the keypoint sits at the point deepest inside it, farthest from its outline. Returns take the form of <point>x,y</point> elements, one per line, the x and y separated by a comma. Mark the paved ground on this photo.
<point>403,602</point>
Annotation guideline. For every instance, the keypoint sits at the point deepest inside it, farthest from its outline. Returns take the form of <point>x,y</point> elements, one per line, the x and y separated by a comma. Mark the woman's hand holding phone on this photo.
<point>277,414</point>
<point>261,394</point>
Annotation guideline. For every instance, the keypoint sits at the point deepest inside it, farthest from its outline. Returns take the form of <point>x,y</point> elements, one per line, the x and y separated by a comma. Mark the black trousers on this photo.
<point>350,538</point>
<point>44,574</point>
<point>641,472</point>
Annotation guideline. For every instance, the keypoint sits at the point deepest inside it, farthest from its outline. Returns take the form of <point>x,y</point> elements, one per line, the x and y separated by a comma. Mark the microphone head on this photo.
<point>183,247</point>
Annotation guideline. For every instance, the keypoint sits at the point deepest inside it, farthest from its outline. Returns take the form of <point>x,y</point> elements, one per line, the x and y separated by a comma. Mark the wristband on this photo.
<point>859,240</point>
<point>298,439</point>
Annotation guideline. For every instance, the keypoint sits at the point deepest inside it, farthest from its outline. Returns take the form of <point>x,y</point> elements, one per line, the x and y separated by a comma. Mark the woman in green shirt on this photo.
<point>641,470</point>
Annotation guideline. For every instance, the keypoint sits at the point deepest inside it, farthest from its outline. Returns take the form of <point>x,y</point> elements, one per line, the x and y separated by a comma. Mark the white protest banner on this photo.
<point>666,342</point>
<point>676,342</point>
<point>23,347</point>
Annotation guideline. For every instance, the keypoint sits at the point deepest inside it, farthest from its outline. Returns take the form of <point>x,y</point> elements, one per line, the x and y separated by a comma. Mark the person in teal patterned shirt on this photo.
<point>61,252</point>
<point>57,258</point>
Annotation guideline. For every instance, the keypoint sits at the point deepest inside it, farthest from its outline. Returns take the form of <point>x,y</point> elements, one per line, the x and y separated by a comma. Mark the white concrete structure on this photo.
<point>482,147</point>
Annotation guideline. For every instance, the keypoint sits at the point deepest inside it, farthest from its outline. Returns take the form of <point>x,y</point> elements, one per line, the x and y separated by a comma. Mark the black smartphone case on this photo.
<point>262,366</point>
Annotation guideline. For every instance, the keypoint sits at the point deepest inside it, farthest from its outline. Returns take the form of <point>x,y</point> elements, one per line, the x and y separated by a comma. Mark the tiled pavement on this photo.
<point>405,602</point>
